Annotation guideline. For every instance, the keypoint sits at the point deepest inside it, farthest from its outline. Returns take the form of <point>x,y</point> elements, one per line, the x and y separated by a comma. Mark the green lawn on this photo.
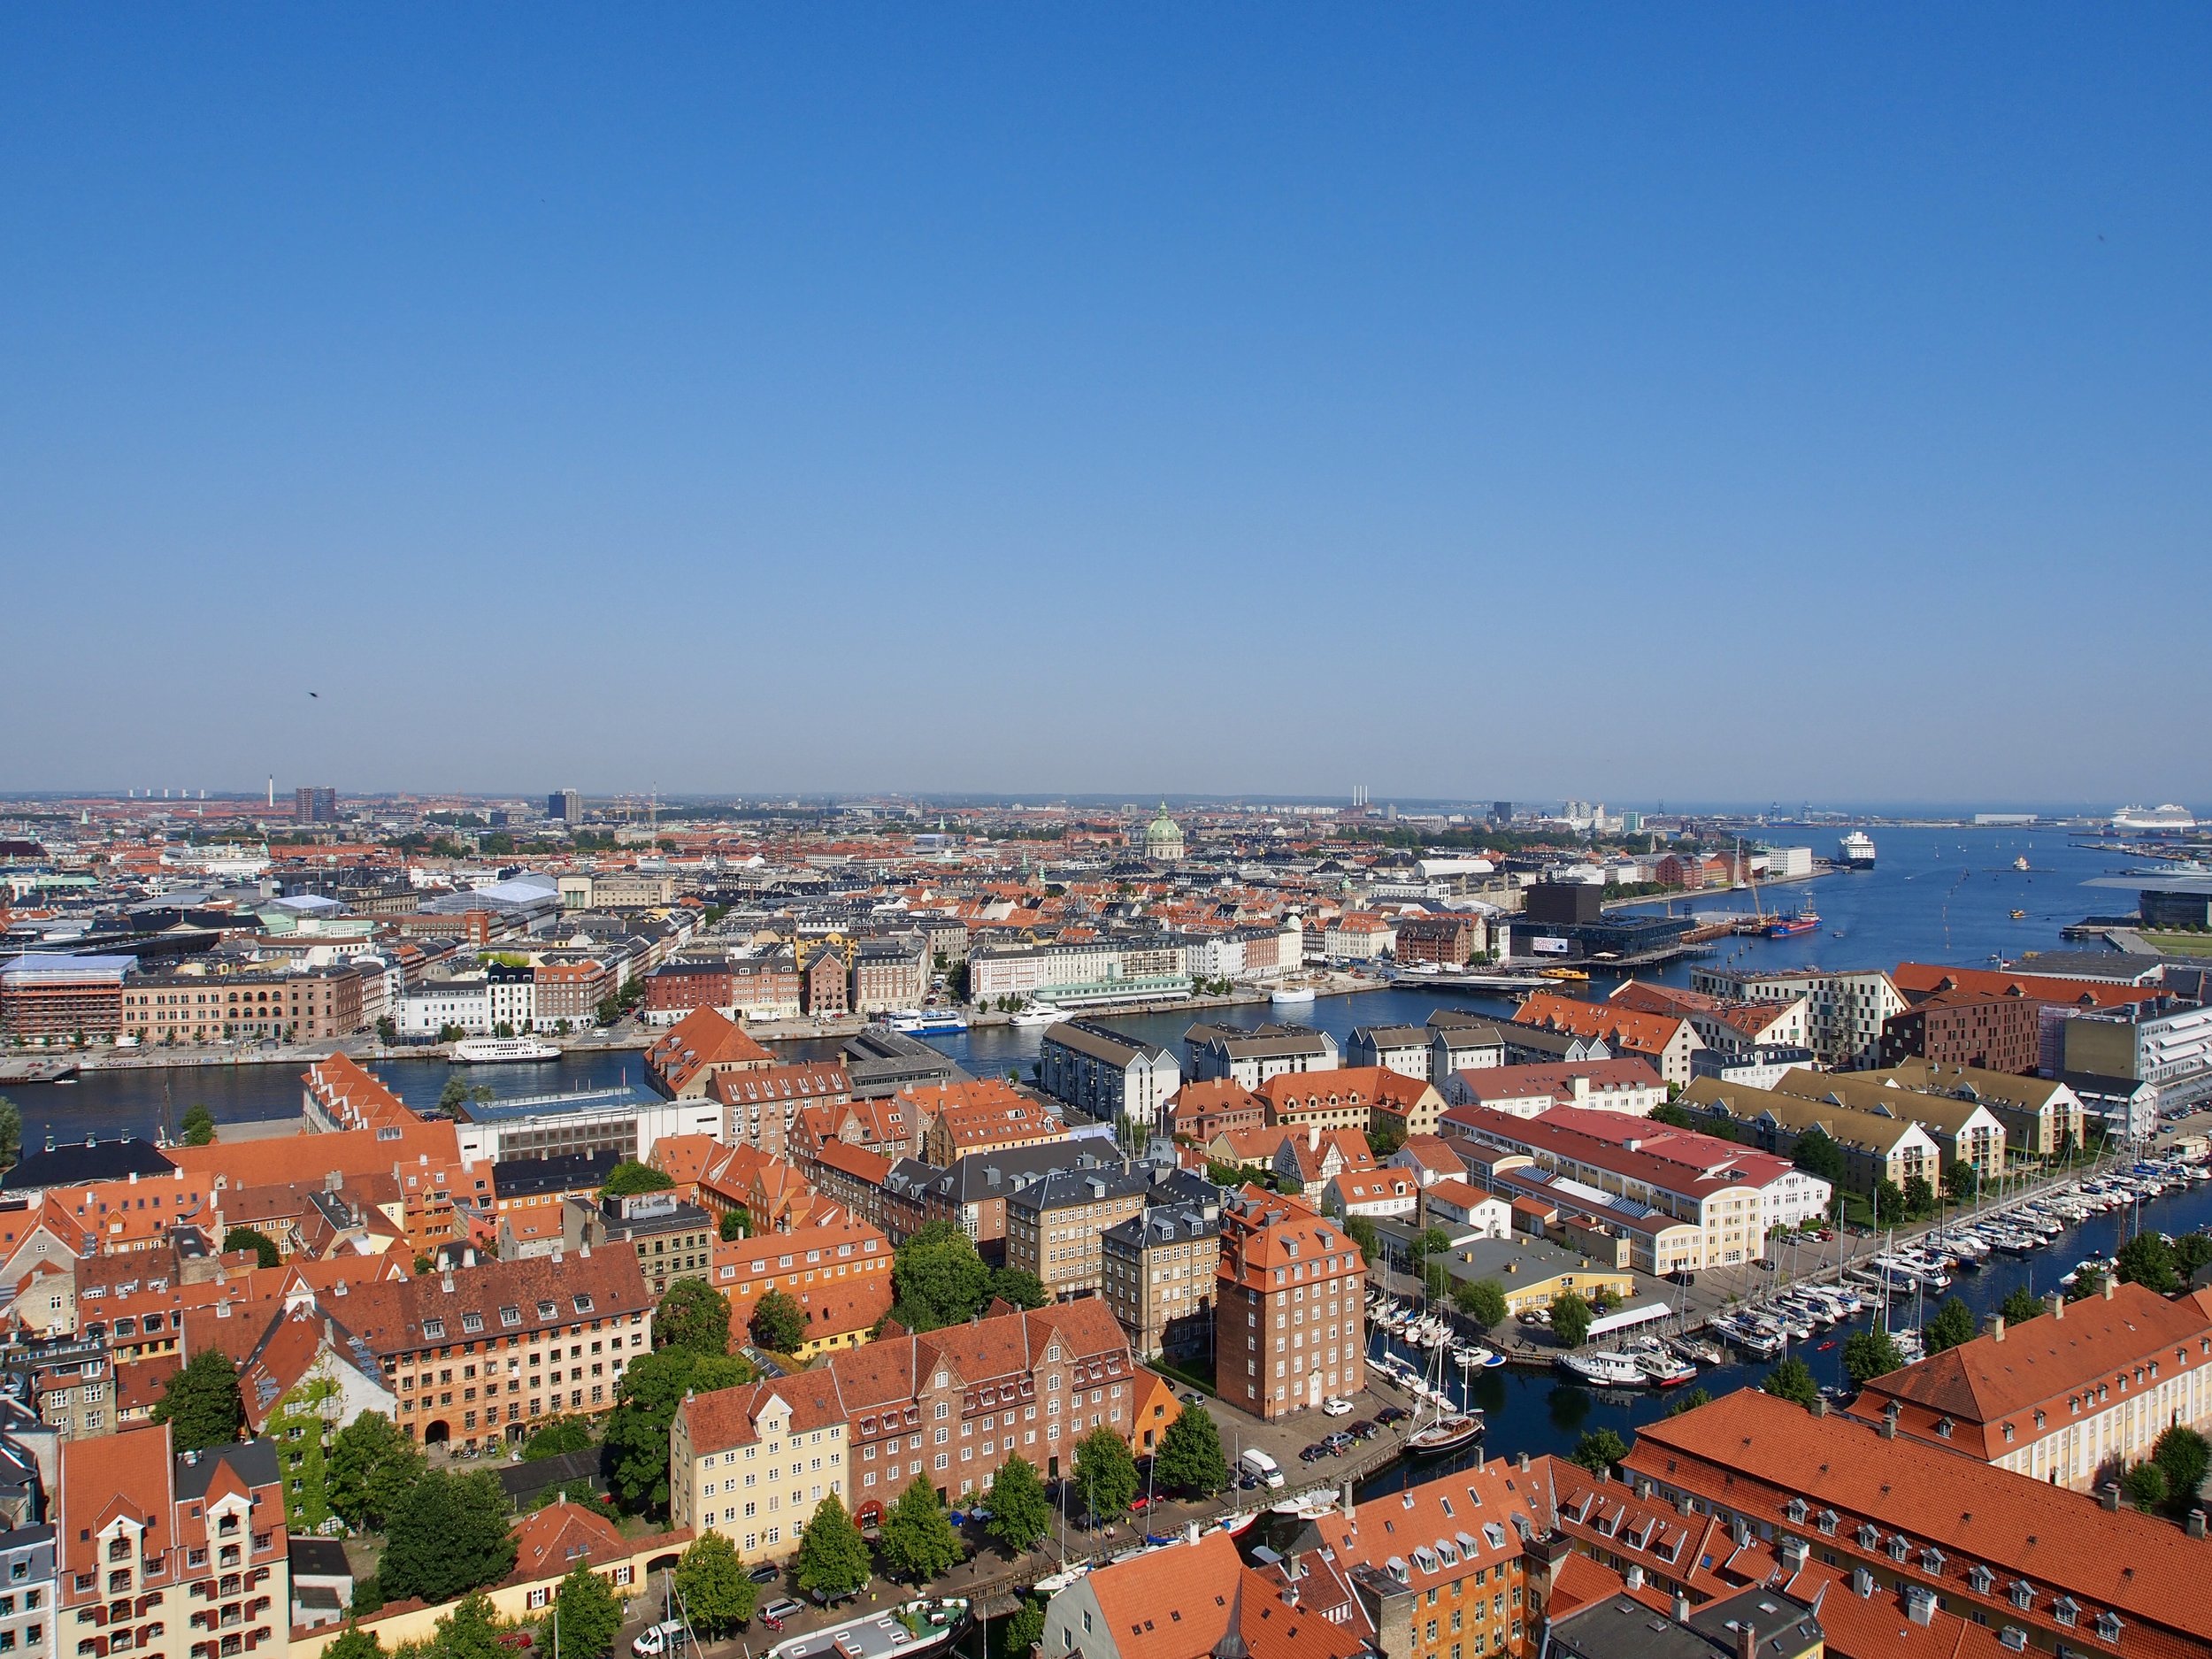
<point>2179,944</point>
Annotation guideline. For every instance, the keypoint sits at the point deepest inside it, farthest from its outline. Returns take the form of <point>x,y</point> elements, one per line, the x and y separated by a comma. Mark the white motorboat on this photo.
<point>1038,1014</point>
<point>1290,996</point>
<point>1604,1369</point>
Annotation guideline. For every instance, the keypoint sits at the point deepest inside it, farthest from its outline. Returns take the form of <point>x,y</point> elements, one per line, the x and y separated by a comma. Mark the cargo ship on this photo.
<point>1804,921</point>
<point>1856,850</point>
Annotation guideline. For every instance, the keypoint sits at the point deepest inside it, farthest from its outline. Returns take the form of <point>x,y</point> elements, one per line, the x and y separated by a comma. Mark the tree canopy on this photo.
<point>1571,1317</point>
<point>1792,1379</point>
<point>717,1594</point>
<point>1481,1299</point>
<point>1870,1354</point>
<point>198,1127</point>
<point>447,1535</point>
<point>833,1556</point>
<point>645,1405</point>
<point>937,1279</point>
<point>629,1177</point>
<point>779,1324</point>
<point>1190,1459</point>
<point>1689,1400</point>
<point>590,1613</point>
<point>2021,1306</point>
<point>693,1314</point>
<point>1600,1451</point>
<point>1952,1324</point>
<point>1019,1287</point>
<point>919,1541</point>
<point>1105,1473</point>
<point>263,1247</point>
<point>2147,1260</point>
<point>371,1465</point>
<point>200,1403</point>
<point>1818,1154</point>
<point>1020,1513</point>
<point>557,1437</point>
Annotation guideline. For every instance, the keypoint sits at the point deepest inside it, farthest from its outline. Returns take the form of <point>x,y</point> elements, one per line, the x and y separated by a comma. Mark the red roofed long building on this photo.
<point>1667,1041</point>
<point>1289,1307</point>
<point>1999,1547</point>
<point>2072,1397</point>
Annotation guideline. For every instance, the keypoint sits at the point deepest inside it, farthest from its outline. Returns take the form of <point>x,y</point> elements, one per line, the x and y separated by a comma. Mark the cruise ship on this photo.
<point>2157,820</point>
<point>1856,850</point>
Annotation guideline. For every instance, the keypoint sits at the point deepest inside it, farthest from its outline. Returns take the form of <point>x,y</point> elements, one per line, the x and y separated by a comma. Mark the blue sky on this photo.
<point>1776,402</point>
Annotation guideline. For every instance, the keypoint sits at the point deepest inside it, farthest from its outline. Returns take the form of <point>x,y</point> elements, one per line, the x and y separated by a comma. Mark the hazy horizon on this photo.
<point>1793,404</point>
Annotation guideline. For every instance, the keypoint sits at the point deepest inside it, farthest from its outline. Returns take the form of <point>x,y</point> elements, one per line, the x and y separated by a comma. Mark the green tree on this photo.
<point>937,1275</point>
<point>1018,1635</point>
<point>1019,1287</point>
<point>833,1556</point>
<point>371,1467</point>
<point>557,1437</point>
<point>1190,1457</point>
<point>470,1631</point>
<point>1384,1141</point>
<point>353,1642</point>
<point>1481,1299</point>
<point>918,1542</point>
<point>1020,1513</point>
<point>198,1127</point>
<point>1689,1400</point>
<point>1889,1201</point>
<point>589,1612</point>
<point>2147,1260</point>
<point>1436,1280</point>
<point>10,1132</point>
<point>1105,1473</point>
<point>2021,1306</point>
<point>718,1595</point>
<point>264,1247</point>
<point>2087,1283</point>
<point>1673,1116</point>
<point>456,1092</point>
<point>446,1536</point>
<point>693,1314</point>
<point>1818,1155</point>
<point>1792,1379</point>
<point>1361,1231</point>
<point>1571,1319</point>
<point>2184,1456</point>
<point>2191,1251</point>
<point>1952,1324</point>
<point>2146,1487</point>
<point>629,1177</point>
<point>200,1403</point>
<point>1600,1451</point>
<point>1960,1182</point>
<point>645,1405</point>
<point>732,1225</point>
<point>1870,1354</point>
<point>779,1324</point>
<point>1432,1241</point>
<point>1919,1197</point>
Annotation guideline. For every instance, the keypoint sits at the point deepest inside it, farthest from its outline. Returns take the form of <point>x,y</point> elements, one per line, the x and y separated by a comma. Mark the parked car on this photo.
<point>1334,1408</point>
<point>767,1572</point>
<point>515,1641</point>
<point>1392,1414</point>
<point>1362,1430</point>
<point>1313,1454</point>
<point>822,1598</point>
<point>657,1641</point>
<point>781,1612</point>
<point>1139,1504</point>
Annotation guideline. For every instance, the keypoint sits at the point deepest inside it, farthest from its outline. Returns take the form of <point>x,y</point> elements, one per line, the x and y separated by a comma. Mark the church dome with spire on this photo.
<point>1163,839</point>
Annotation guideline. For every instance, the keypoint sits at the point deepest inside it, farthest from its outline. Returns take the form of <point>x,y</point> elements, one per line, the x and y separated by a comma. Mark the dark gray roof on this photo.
<point>525,1177</point>
<point>1082,1187</point>
<point>255,1462</point>
<point>319,1558</point>
<point>80,1161</point>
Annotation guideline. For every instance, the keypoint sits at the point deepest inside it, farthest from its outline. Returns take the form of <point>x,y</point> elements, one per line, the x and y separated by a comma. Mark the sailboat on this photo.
<point>1439,1427</point>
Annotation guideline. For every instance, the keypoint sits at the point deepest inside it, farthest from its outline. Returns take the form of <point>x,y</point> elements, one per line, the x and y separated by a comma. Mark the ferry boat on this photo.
<point>1570,976</point>
<point>2021,863</point>
<point>923,1022</point>
<point>1855,851</point>
<point>501,1050</point>
<point>1804,921</point>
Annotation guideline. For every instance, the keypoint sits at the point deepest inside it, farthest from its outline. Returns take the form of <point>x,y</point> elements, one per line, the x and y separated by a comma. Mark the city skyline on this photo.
<point>1789,405</point>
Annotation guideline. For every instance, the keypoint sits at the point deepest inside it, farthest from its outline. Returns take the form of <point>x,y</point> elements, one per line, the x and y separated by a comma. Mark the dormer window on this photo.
<point>583,1301</point>
<point>2108,1626</point>
<point>511,1316</point>
<point>2066,1610</point>
<point>434,1330</point>
<point>1828,1521</point>
<point>2022,1594</point>
<point>548,1310</point>
<point>1980,1579</point>
<point>471,1323</point>
<point>1870,1535</point>
<point>1796,1511</point>
<point>1899,1549</point>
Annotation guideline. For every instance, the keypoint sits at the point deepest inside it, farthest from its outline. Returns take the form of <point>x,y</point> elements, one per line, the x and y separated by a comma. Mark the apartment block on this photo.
<point>752,1463</point>
<point>1289,1312</point>
<point>1157,1276</point>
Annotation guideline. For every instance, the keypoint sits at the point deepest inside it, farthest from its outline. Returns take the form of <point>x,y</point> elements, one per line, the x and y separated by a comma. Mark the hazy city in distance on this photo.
<point>1105,833</point>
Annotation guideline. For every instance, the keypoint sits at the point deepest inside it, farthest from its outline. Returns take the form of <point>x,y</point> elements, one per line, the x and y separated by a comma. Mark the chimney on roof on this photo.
<point>445,1281</point>
<point>1681,1607</point>
<point>1746,1640</point>
<point>2108,1494</point>
<point>1996,1327</point>
<point>2057,1301</point>
<point>2195,1524</point>
<point>2111,1285</point>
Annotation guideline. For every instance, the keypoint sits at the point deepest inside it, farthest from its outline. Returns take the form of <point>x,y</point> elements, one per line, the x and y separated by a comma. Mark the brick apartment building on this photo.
<point>48,998</point>
<point>1158,1271</point>
<point>571,991</point>
<point>1289,1311</point>
<point>476,1357</point>
<point>1965,1028</point>
<point>759,1106</point>
<point>1450,941</point>
<point>302,1005</point>
<point>1054,1223</point>
<point>824,985</point>
<point>888,973</point>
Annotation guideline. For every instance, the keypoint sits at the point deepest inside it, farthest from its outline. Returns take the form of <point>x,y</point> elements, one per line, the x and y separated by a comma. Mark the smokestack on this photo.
<point>1746,1640</point>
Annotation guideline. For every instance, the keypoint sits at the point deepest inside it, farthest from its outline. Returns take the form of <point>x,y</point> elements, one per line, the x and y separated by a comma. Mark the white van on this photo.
<point>1259,1464</point>
<point>658,1640</point>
